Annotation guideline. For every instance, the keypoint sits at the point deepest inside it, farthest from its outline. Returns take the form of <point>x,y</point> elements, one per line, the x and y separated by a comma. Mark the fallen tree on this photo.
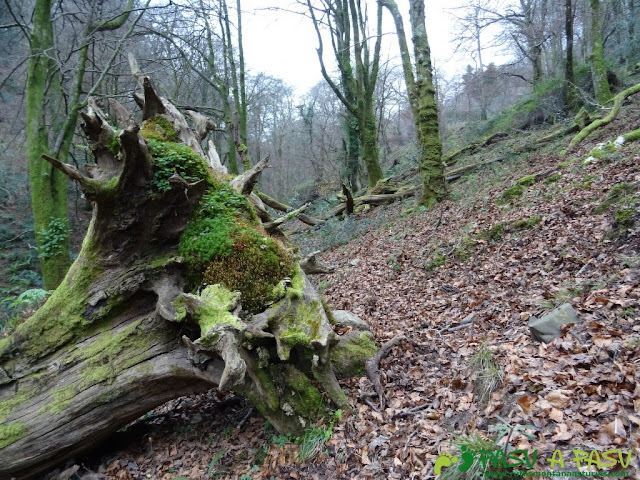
<point>177,289</point>
<point>601,122</point>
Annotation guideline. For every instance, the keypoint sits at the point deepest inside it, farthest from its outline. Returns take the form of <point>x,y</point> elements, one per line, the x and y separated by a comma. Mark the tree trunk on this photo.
<point>570,97</point>
<point>598,64</point>
<point>48,186</point>
<point>431,166</point>
<point>422,98</point>
<point>134,324</point>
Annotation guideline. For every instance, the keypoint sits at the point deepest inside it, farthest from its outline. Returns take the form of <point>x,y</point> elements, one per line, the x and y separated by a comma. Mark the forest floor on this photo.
<point>571,237</point>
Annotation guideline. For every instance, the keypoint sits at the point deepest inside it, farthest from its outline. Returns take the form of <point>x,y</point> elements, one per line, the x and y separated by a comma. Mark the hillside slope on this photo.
<point>572,236</point>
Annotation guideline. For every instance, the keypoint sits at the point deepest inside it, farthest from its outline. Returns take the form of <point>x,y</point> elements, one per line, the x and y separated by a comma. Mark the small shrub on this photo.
<point>488,375</point>
<point>312,442</point>
<point>438,258</point>
<point>52,238</point>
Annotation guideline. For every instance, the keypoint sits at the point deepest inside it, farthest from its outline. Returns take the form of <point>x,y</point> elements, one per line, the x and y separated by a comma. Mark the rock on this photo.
<point>348,319</point>
<point>547,328</point>
<point>469,318</point>
<point>354,262</point>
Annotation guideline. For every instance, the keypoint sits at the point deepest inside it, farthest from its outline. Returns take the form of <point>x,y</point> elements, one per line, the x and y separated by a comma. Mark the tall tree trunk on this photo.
<point>570,97</point>
<point>237,87</point>
<point>431,166</point>
<point>422,98</point>
<point>48,186</point>
<point>130,327</point>
<point>597,60</point>
<point>351,135</point>
<point>50,131</point>
<point>347,21</point>
<point>483,99</point>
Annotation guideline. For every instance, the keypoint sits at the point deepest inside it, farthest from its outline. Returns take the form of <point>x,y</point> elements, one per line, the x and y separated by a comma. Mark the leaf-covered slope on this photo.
<point>572,236</point>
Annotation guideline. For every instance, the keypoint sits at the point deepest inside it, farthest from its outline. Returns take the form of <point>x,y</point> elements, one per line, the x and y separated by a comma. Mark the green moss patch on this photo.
<point>552,178</point>
<point>632,136</point>
<point>11,433</point>
<point>494,233</point>
<point>349,356</point>
<point>254,266</point>
<point>525,223</point>
<point>304,396</point>
<point>619,194</point>
<point>159,128</point>
<point>527,181</point>
<point>23,395</point>
<point>217,302</point>
<point>301,326</point>
<point>103,360</point>
<point>567,163</point>
<point>172,157</point>
<point>58,321</point>
<point>61,398</point>
<point>511,193</point>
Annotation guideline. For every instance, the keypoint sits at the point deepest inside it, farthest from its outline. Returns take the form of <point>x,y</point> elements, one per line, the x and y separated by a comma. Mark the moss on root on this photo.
<point>159,128</point>
<point>349,356</point>
<point>102,359</point>
<point>301,326</point>
<point>61,398</point>
<point>11,433</point>
<point>224,244</point>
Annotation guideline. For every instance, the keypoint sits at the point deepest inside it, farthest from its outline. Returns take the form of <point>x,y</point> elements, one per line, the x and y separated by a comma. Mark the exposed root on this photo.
<point>593,126</point>
<point>372,366</point>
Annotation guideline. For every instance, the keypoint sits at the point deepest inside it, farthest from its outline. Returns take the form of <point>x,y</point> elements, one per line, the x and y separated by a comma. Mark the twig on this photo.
<point>412,411</point>
<point>371,404</point>
<point>406,445</point>
<point>372,366</point>
<point>458,327</point>
<point>245,418</point>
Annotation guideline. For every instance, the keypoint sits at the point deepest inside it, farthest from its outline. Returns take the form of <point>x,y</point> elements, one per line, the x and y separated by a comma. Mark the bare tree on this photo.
<point>347,23</point>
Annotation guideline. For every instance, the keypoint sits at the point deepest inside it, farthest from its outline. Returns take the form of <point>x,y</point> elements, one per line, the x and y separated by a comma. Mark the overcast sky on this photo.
<point>284,44</point>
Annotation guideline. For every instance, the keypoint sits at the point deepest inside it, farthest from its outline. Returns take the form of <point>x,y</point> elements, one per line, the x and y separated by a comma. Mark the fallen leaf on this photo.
<point>525,404</point>
<point>559,398</point>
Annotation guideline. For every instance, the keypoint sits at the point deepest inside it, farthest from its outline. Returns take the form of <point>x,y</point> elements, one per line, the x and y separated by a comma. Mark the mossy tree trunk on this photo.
<point>422,98</point>
<point>596,59</point>
<point>132,324</point>
<point>569,90</point>
<point>48,186</point>
<point>50,131</point>
<point>348,26</point>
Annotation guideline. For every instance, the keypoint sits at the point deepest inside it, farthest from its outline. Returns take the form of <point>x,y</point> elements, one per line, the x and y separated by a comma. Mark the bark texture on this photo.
<point>151,310</point>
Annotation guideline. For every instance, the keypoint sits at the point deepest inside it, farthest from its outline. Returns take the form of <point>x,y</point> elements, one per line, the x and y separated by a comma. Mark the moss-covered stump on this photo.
<point>177,289</point>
